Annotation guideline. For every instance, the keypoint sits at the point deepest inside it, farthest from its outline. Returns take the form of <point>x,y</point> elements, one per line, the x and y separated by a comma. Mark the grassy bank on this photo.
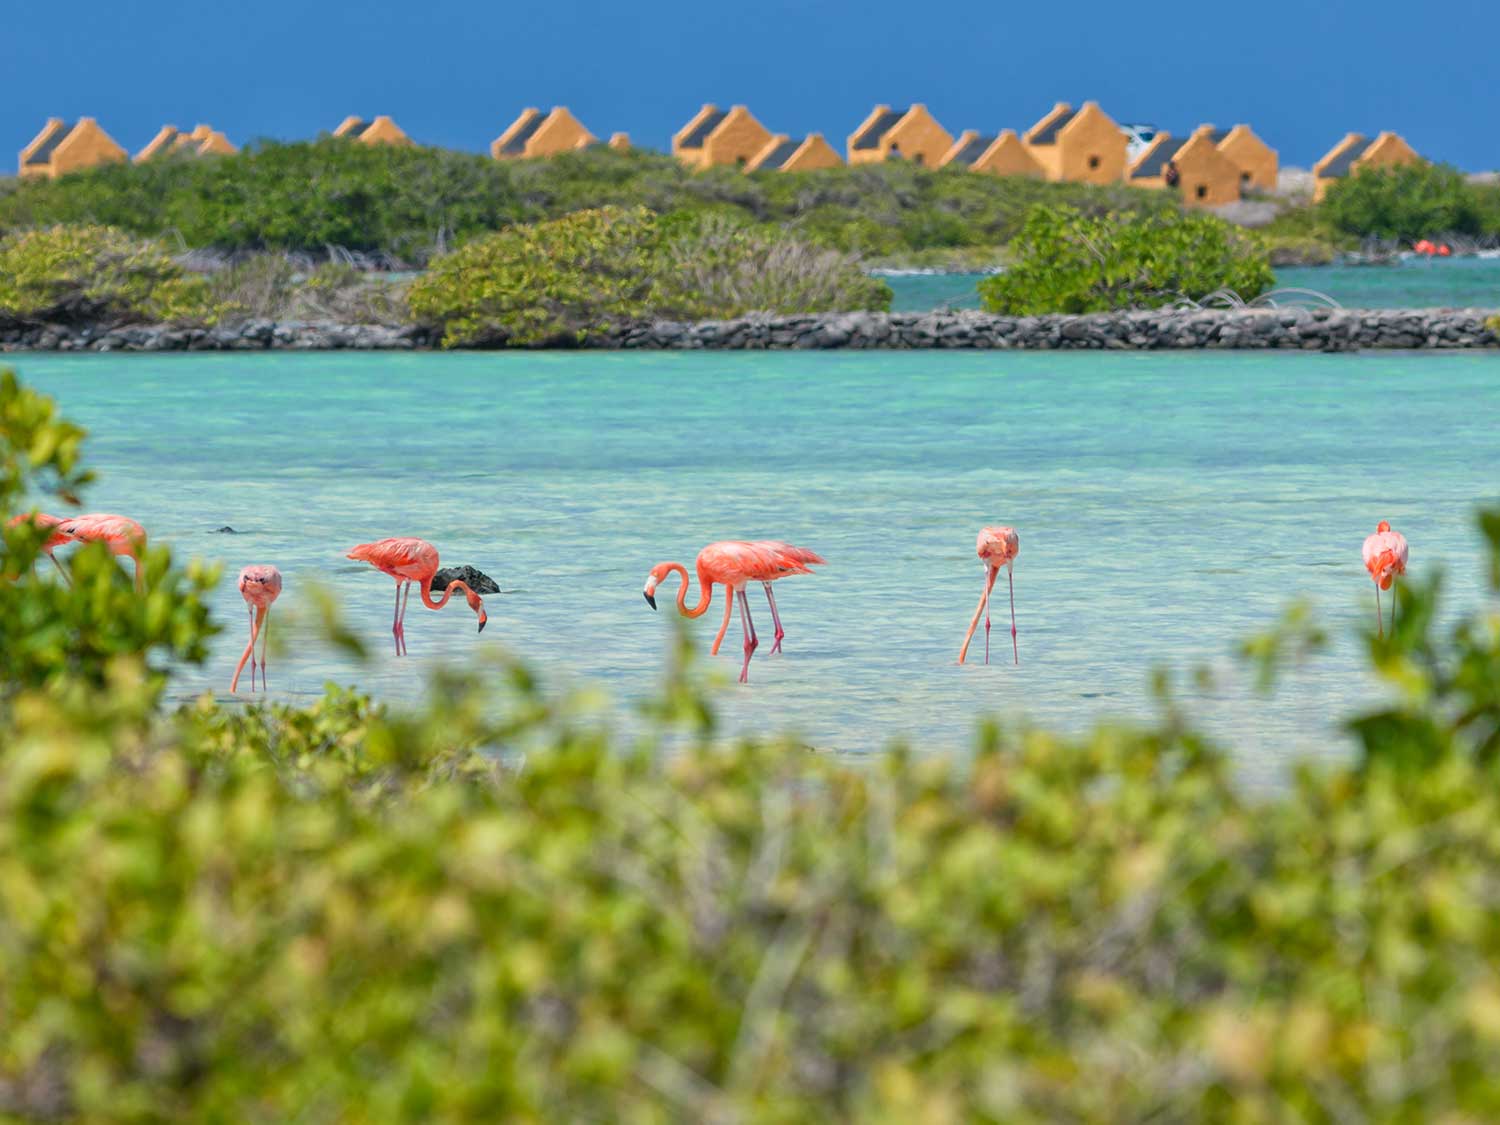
<point>491,908</point>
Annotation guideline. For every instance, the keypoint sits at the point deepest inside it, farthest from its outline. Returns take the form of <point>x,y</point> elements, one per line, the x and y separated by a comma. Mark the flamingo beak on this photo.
<point>650,599</point>
<point>483,621</point>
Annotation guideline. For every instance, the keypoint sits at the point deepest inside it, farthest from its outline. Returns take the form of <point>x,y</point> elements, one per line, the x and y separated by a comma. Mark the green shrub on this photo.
<point>88,274</point>
<point>1067,262</point>
<point>490,909</point>
<point>1406,202</point>
<point>593,270</point>
<point>271,285</point>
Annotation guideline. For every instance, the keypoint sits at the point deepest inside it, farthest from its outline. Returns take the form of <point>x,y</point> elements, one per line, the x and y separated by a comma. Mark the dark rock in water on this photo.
<point>475,580</point>
<point>226,530</point>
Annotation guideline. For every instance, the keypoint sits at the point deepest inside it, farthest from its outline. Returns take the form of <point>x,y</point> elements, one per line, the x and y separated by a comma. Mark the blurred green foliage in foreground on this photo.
<point>490,909</point>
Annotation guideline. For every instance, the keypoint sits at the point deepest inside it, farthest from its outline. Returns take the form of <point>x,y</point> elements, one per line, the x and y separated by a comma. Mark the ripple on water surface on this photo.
<point>1168,505</point>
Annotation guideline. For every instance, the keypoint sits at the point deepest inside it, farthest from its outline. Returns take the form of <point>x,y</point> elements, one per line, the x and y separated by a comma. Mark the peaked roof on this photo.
<point>707,125</point>
<point>357,127</point>
<point>973,149</point>
<point>1047,134</point>
<point>781,154</point>
<point>1218,135</point>
<point>1341,164</point>
<point>517,143</point>
<point>1153,162</point>
<point>869,137</point>
<point>43,154</point>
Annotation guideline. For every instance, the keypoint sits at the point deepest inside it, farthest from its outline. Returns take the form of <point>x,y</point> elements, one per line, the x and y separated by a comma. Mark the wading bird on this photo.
<point>259,586</point>
<point>43,522</point>
<point>733,564</point>
<point>1385,559</point>
<point>998,546</point>
<point>121,535</point>
<point>413,561</point>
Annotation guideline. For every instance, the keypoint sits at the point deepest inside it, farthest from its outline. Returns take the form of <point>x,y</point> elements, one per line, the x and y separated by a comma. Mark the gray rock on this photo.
<point>475,580</point>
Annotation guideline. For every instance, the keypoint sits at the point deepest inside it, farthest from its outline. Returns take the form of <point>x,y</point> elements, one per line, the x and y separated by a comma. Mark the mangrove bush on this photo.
<point>593,270</point>
<point>1064,261</point>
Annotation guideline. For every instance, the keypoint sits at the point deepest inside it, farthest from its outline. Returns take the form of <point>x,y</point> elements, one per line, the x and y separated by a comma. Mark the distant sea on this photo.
<point>1456,283</point>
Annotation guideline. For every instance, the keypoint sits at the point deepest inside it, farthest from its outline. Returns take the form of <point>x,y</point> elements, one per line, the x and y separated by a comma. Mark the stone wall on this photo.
<point>1330,330</point>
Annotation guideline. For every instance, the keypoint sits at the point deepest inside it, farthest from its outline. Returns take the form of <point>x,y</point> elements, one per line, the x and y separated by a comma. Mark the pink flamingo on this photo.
<point>42,521</point>
<point>259,586</point>
<point>121,535</point>
<point>998,546</point>
<point>733,564</point>
<point>1385,559</point>
<point>411,561</point>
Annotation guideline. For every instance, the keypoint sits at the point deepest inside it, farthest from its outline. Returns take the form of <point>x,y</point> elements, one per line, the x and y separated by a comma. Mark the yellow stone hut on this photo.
<point>1078,145</point>
<point>1257,161</point>
<point>381,131</point>
<point>899,134</point>
<point>1002,154</point>
<point>535,134</point>
<point>716,136</point>
<point>1356,152</point>
<point>1206,177</point>
<point>61,148</point>
<point>788,154</point>
<point>202,141</point>
<point>620,142</point>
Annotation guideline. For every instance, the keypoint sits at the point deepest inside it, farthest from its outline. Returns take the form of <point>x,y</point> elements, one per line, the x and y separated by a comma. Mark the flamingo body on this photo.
<point>122,535</point>
<point>1385,554</point>
<point>997,547</point>
<point>733,564</point>
<point>411,561</point>
<point>259,586</point>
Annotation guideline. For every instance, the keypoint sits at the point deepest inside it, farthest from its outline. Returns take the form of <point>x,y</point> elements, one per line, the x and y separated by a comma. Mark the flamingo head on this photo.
<point>1383,525</point>
<point>658,572</point>
<point>476,603</point>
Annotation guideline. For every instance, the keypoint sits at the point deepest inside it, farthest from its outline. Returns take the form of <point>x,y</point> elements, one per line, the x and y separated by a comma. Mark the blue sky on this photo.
<point>455,72</point>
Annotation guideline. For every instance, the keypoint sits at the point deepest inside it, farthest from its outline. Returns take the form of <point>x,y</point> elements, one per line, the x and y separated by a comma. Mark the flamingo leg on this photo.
<point>1014,646</point>
<point>265,632</point>
<point>250,611</point>
<point>780,632</point>
<point>234,684</point>
<point>750,639</point>
<point>136,559</point>
<point>1379,615</point>
<point>984,599</point>
<point>396,619</point>
<point>1393,609</point>
<point>405,601</point>
<point>723,625</point>
<point>65,576</point>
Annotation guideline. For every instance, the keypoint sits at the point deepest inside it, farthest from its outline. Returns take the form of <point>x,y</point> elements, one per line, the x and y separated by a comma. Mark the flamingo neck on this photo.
<point>426,592</point>
<point>705,593</point>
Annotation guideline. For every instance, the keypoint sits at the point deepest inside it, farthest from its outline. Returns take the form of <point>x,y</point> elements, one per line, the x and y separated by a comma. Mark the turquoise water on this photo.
<point>1168,504</point>
<point>1455,283</point>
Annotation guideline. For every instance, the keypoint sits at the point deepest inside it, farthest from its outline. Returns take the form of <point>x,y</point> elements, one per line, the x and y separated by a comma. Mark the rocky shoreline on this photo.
<point>1321,329</point>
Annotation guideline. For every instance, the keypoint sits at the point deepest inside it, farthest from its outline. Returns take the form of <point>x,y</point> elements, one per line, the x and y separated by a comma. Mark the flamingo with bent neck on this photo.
<point>413,561</point>
<point>997,547</point>
<point>733,564</point>
<point>259,586</point>
<point>122,535</point>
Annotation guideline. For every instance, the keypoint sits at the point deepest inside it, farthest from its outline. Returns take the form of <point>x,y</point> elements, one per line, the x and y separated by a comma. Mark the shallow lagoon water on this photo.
<point>1168,504</point>
<point>1413,283</point>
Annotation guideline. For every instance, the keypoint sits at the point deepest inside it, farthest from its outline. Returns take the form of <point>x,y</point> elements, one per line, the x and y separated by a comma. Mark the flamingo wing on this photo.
<point>407,557</point>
